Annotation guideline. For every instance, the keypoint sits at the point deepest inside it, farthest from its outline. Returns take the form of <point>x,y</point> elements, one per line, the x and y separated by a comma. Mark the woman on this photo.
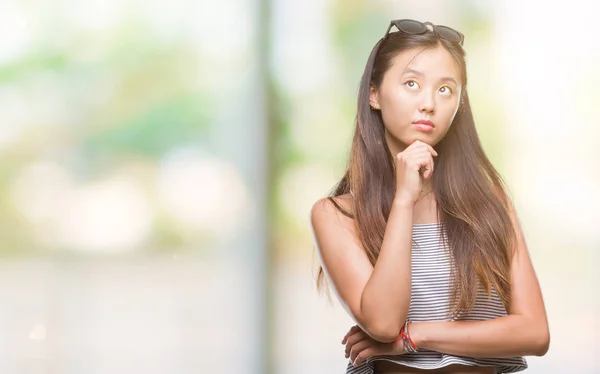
<point>420,239</point>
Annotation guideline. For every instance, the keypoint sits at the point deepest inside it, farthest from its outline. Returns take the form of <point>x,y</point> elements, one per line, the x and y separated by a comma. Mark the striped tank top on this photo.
<point>430,301</point>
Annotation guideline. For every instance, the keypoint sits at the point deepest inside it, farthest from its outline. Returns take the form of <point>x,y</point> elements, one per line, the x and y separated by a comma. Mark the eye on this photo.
<point>445,90</point>
<point>411,84</point>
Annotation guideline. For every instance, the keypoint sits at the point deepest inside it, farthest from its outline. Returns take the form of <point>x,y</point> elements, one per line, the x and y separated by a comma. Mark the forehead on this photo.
<point>433,63</point>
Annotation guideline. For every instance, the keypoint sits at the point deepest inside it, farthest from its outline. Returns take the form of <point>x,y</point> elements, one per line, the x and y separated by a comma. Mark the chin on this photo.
<point>406,138</point>
<point>425,138</point>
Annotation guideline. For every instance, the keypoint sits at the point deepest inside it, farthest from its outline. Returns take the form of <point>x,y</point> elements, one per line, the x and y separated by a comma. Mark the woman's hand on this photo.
<point>360,346</point>
<point>415,160</point>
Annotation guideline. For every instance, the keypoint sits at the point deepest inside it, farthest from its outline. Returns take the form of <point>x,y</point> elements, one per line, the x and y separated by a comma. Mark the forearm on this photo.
<point>386,297</point>
<point>512,335</point>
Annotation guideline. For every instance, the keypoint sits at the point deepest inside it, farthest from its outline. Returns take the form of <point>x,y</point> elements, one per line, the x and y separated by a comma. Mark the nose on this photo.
<point>427,103</point>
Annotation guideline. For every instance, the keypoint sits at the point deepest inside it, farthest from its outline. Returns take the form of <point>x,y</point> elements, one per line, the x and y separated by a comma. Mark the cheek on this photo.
<point>448,110</point>
<point>398,106</point>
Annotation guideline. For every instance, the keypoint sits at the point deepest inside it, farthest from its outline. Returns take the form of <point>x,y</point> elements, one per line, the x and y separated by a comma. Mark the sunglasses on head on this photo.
<point>409,26</point>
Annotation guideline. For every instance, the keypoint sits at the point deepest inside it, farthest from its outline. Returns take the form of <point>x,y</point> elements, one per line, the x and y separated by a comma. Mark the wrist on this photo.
<point>403,202</point>
<point>418,334</point>
<point>398,346</point>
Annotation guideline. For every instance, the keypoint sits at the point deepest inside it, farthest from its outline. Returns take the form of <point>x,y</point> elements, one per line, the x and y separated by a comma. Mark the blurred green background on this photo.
<point>158,161</point>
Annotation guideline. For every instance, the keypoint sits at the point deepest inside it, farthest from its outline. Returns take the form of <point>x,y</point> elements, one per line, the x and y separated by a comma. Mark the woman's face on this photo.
<point>420,86</point>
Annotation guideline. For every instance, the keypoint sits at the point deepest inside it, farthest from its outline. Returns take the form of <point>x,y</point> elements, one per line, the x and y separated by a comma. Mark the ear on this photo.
<point>374,99</point>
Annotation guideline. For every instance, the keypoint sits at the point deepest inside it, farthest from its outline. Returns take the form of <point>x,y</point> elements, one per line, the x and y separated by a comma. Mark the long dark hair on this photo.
<point>472,202</point>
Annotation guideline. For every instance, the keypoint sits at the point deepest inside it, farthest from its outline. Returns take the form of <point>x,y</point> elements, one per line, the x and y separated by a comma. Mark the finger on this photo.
<point>414,147</point>
<point>354,339</point>
<point>352,347</point>
<point>415,153</point>
<point>432,150</point>
<point>366,354</point>
<point>352,330</point>
<point>432,164</point>
<point>359,347</point>
<point>428,168</point>
<point>428,147</point>
<point>421,163</point>
<point>426,171</point>
<point>417,144</point>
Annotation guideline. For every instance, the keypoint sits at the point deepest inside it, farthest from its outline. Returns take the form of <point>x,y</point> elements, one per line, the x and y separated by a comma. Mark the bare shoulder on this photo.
<point>335,232</point>
<point>332,210</point>
<point>342,256</point>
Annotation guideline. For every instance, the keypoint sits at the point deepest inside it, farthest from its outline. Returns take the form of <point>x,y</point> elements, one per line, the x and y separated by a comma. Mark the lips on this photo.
<point>424,122</point>
<point>424,125</point>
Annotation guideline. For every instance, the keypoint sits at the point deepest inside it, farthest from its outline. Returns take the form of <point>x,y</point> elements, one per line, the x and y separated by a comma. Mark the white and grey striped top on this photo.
<point>430,301</point>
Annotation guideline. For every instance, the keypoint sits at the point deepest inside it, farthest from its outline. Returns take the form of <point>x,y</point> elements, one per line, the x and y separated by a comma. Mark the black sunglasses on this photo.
<point>413,27</point>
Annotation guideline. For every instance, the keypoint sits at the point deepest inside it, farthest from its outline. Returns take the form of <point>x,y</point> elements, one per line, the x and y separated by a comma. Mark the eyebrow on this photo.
<point>443,79</point>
